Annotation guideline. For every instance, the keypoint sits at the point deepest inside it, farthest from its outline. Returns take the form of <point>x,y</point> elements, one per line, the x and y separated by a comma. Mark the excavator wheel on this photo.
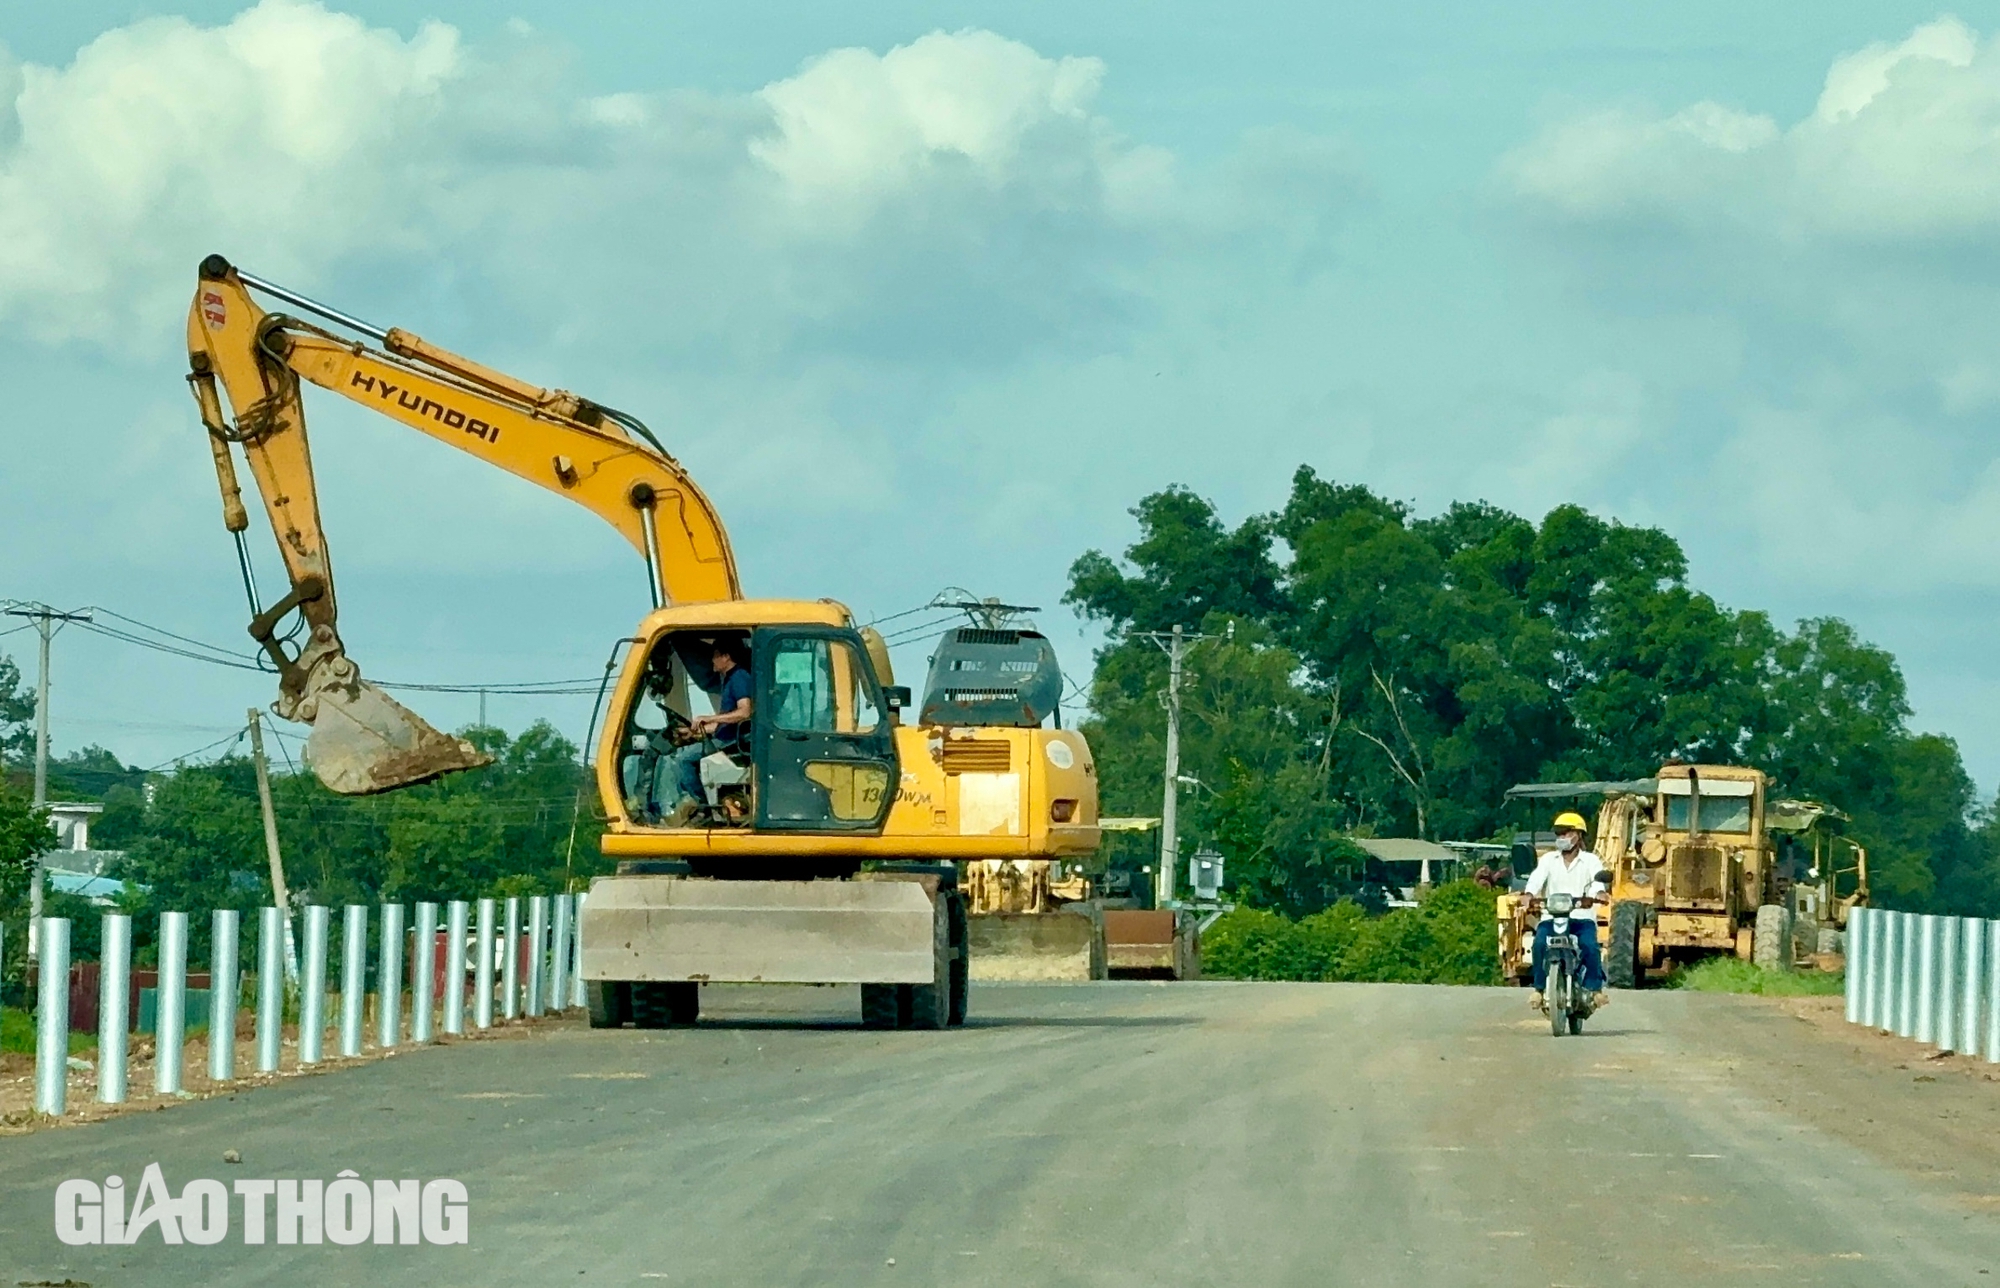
<point>961,962</point>
<point>929,1005</point>
<point>878,1005</point>
<point>659,1006</point>
<point>610,1003</point>
<point>1621,958</point>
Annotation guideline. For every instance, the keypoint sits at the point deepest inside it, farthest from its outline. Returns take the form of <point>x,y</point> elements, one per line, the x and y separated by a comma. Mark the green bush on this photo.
<point>1447,939</point>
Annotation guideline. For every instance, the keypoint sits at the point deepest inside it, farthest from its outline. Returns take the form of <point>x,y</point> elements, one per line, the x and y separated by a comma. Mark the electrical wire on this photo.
<point>237,736</point>
<point>216,655</point>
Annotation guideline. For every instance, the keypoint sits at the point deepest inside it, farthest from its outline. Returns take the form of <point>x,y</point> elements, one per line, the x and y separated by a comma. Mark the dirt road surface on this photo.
<point>1114,1134</point>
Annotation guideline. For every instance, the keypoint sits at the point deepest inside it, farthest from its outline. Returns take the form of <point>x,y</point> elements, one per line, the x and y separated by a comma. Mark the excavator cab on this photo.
<point>819,755</point>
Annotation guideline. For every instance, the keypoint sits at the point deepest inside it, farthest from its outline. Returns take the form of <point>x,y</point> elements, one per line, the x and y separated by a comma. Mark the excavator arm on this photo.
<point>363,741</point>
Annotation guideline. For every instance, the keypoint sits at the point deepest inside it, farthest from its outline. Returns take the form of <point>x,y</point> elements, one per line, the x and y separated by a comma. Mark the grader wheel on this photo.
<point>1771,945</point>
<point>1622,968</point>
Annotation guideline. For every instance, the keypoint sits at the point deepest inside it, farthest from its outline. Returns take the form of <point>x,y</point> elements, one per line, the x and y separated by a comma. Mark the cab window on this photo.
<point>819,687</point>
<point>1718,813</point>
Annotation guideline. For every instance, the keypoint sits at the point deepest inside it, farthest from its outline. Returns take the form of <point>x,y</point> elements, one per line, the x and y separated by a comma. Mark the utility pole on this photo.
<point>1175,645</point>
<point>1170,833</point>
<point>47,622</point>
<point>279,894</point>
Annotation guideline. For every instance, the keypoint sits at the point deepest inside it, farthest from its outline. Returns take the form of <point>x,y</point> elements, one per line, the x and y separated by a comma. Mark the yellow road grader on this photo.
<point>1704,864</point>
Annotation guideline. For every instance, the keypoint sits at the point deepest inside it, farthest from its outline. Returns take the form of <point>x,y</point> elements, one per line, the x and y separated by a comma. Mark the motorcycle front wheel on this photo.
<point>1558,1002</point>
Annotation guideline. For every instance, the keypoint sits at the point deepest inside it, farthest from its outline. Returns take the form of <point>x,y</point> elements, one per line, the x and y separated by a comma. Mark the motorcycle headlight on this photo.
<point>1560,905</point>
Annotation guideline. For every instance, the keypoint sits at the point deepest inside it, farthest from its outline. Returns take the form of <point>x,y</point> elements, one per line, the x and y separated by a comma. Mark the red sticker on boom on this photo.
<point>213,311</point>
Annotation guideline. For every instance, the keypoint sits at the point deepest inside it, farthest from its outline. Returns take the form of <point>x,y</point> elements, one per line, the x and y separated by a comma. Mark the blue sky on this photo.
<point>930,294</point>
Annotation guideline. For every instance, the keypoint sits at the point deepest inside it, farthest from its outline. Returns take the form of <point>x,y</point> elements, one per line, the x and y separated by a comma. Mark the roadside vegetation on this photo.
<point>1446,939</point>
<point>1728,975</point>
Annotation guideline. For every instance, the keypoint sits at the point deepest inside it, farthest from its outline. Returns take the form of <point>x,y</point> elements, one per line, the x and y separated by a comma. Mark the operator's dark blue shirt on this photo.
<point>737,688</point>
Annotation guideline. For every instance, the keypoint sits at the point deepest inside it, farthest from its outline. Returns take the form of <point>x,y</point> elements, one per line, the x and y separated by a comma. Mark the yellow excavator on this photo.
<point>824,847</point>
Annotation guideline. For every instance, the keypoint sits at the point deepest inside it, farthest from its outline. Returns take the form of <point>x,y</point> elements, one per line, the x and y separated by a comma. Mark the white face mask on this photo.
<point>1567,842</point>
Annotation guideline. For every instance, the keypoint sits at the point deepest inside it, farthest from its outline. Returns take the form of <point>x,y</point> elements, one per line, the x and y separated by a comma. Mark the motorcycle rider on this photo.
<point>1568,869</point>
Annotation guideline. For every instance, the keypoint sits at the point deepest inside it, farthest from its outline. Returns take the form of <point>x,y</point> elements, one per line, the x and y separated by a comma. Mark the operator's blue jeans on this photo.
<point>1586,946</point>
<point>687,768</point>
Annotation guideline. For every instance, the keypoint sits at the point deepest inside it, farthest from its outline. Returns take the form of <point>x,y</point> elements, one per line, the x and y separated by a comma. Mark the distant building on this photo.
<point>73,866</point>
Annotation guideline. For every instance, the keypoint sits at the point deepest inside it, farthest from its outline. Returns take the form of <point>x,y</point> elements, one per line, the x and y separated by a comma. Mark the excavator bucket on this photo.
<point>364,741</point>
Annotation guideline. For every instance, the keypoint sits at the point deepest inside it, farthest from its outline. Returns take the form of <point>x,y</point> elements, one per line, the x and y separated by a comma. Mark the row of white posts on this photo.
<point>554,982</point>
<point>1935,979</point>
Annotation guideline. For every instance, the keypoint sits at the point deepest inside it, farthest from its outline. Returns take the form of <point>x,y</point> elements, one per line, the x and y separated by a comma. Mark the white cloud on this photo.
<point>269,133</point>
<point>853,126</point>
<point>1902,143</point>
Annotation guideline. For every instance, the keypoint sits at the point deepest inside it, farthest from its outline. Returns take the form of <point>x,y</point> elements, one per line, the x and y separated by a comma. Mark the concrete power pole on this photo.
<point>1170,836</point>
<point>279,894</point>
<point>47,622</point>
<point>1175,645</point>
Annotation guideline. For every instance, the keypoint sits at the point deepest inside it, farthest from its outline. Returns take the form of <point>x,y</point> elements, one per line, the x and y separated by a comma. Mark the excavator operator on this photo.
<point>725,731</point>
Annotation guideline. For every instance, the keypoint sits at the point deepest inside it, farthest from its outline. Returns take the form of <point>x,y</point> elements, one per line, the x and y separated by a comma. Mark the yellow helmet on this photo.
<point>1570,818</point>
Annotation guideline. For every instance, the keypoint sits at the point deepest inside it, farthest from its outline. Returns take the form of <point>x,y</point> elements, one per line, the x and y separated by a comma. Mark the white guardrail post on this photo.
<point>1971,983</point>
<point>353,976</point>
<point>1947,984</point>
<point>270,988</point>
<point>538,952</point>
<point>1903,977</point>
<point>510,960</point>
<point>389,979</point>
<point>423,973</point>
<point>1852,984</point>
<point>1925,1015</point>
<point>454,967</point>
<point>114,1005</point>
<point>52,1018</point>
<point>170,1004</point>
<point>1993,992</point>
<point>577,995</point>
<point>559,954</point>
<point>223,925</point>
<point>482,958</point>
<point>312,991</point>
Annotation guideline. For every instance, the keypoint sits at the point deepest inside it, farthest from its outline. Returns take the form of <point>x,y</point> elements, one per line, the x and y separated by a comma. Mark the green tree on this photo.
<point>1393,675</point>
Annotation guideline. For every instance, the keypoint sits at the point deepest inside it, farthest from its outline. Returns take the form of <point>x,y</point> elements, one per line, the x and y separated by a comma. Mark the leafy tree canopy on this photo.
<point>1390,674</point>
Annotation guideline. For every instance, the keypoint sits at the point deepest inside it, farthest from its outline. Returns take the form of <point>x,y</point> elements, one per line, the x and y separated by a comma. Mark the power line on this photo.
<point>217,655</point>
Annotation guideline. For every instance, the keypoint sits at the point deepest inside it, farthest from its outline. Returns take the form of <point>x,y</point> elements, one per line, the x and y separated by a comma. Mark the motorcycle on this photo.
<point>1565,997</point>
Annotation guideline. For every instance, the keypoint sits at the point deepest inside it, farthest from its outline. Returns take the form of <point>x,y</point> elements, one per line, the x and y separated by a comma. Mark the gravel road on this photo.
<point>1121,1134</point>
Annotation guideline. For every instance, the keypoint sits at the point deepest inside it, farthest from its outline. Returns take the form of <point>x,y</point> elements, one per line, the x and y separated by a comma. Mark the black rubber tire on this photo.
<point>650,1009</point>
<point>1771,938</point>
<point>878,1006</point>
<point>1557,998</point>
<point>1575,1023</point>
<point>961,961</point>
<point>929,1005</point>
<point>665,1005</point>
<point>610,1003</point>
<point>1621,960</point>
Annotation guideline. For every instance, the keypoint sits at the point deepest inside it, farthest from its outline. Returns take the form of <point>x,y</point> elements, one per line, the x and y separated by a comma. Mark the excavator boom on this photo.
<point>363,740</point>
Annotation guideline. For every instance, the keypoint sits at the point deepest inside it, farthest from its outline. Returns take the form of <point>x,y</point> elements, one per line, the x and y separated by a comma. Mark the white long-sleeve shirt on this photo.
<point>1553,875</point>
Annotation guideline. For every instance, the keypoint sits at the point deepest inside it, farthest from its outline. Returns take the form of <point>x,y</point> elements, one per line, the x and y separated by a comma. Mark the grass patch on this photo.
<point>1728,975</point>
<point>17,1034</point>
